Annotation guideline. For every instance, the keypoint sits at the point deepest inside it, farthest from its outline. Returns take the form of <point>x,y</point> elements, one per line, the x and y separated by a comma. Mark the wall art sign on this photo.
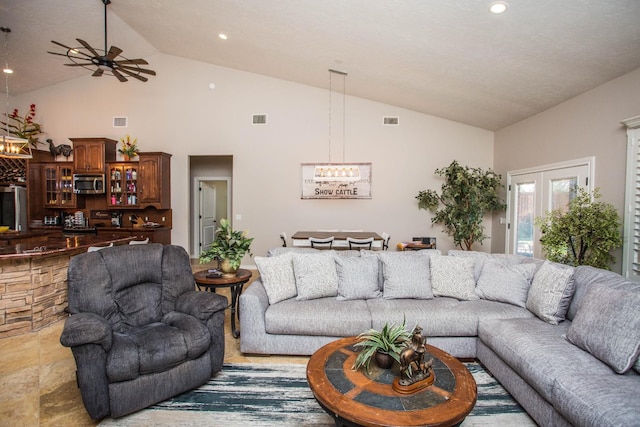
<point>312,189</point>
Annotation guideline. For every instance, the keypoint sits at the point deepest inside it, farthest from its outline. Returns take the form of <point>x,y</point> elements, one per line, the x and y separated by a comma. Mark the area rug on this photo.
<point>278,395</point>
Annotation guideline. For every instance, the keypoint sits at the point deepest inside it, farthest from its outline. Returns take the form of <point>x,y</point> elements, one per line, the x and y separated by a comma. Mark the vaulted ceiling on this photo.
<point>451,59</point>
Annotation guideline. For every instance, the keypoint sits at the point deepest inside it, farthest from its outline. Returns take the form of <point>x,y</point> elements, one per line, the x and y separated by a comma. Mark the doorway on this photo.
<point>210,198</point>
<point>533,192</point>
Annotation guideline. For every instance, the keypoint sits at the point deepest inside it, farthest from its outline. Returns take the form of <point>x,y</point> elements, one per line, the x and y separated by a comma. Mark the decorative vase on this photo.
<point>384,360</point>
<point>227,269</point>
<point>126,157</point>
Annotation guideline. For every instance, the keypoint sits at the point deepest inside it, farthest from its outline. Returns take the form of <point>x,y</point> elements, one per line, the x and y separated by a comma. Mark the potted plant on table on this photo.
<point>384,345</point>
<point>229,247</point>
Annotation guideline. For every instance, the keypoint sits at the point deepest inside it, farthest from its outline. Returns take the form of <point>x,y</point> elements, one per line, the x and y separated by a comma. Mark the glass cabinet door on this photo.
<point>123,185</point>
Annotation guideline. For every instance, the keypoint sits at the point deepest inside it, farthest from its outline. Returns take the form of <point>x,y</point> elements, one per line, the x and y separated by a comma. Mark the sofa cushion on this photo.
<point>551,291</point>
<point>453,277</point>
<point>357,277</point>
<point>441,316</point>
<point>607,325</point>
<point>598,400</point>
<point>277,276</point>
<point>538,351</point>
<point>585,275</point>
<point>406,275</point>
<point>505,283</point>
<point>482,257</point>
<point>156,347</point>
<point>316,275</point>
<point>319,317</point>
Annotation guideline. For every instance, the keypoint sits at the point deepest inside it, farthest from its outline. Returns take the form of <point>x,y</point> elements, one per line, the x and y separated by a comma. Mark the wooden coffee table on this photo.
<point>368,399</point>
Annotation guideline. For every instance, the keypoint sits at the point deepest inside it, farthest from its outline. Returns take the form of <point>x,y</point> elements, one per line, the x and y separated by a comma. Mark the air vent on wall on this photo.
<point>391,121</point>
<point>259,119</point>
<point>119,122</point>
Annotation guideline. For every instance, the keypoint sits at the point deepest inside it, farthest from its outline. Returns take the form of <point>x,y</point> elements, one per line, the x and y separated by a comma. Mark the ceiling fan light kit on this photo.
<point>108,62</point>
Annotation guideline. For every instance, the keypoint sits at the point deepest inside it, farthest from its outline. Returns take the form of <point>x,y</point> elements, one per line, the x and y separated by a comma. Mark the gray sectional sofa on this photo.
<point>563,341</point>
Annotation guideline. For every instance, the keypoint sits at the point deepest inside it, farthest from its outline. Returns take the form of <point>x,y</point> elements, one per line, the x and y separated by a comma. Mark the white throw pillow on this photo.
<point>406,275</point>
<point>505,283</point>
<point>357,277</point>
<point>551,291</point>
<point>316,275</point>
<point>276,274</point>
<point>452,276</point>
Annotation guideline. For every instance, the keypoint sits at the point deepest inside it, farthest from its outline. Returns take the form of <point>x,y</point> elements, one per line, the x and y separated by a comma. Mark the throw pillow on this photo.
<point>607,325</point>
<point>551,291</point>
<point>277,276</point>
<point>406,275</point>
<point>505,283</point>
<point>453,276</point>
<point>357,277</point>
<point>316,275</point>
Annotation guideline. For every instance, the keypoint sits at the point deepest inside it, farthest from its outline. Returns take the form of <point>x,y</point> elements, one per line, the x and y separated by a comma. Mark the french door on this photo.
<point>534,192</point>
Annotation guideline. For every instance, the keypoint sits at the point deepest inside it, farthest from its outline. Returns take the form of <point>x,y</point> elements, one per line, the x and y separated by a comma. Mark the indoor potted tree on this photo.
<point>583,235</point>
<point>385,345</point>
<point>229,247</point>
<point>468,194</point>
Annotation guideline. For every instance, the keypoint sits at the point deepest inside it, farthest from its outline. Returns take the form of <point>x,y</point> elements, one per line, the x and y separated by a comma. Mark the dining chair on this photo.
<point>97,248</point>
<point>321,243</point>
<point>360,243</point>
<point>385,241</point>
<point>283,236</point>
<point>139,242</point>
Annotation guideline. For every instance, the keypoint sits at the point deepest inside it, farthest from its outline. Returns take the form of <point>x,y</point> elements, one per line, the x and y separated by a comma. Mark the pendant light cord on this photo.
<point>344,104</point>
<point>6,71</point>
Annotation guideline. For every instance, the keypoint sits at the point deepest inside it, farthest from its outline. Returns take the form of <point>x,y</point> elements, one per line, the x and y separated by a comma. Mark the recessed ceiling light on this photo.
<point>7,70</point>
<point>498,7</point>
<point>222,36</point>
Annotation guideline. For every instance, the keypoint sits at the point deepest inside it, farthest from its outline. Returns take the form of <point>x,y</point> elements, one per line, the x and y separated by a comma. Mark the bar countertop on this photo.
<point>40,244</point>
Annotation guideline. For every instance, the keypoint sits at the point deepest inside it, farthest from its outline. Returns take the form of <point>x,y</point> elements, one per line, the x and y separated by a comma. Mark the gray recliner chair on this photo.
<point>139,331</point>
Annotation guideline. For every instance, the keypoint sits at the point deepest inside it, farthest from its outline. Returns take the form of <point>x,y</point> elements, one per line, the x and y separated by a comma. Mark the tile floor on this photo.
<point>37,376</point>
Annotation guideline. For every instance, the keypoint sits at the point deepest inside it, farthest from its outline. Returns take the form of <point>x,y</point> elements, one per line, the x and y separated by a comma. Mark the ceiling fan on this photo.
<point>101,62</point>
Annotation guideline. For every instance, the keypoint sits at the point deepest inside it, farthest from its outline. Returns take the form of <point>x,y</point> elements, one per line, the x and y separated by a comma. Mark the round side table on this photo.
<point>236,284</point>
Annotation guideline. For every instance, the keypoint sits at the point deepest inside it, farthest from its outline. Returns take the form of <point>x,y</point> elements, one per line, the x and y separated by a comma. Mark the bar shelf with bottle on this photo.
<point>123,185</point>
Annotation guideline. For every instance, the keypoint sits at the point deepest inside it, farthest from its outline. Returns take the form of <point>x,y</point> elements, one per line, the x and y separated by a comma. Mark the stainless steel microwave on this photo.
<point>88,183</point>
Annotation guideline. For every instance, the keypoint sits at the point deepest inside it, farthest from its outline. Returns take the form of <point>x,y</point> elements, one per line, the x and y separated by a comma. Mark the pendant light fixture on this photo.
<point>11,146</point>
<point>337,171</point>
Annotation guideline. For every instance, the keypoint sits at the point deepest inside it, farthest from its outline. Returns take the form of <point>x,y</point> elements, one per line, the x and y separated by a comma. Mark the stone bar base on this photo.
<point>33,293</point>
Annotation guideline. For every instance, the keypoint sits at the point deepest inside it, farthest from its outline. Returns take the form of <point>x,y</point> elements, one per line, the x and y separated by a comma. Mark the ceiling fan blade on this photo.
<point>88,47</point>
<point>79,64</point>
<point>113,52</point>
<point>137,69</point>
<point>118,75</point>
<point>134,75</point>
<point>68,49</point>
<point>56,53</point>
<point>98,72</point>
<point>133,62</point>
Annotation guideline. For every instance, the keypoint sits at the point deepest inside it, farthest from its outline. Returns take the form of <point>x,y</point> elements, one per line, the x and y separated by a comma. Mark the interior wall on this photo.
<point>587,125</point>
<point>178,112</point>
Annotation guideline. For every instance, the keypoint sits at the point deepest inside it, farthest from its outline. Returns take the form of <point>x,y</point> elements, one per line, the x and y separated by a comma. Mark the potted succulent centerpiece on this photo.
<point>384,345</point>
<point>229,247</point>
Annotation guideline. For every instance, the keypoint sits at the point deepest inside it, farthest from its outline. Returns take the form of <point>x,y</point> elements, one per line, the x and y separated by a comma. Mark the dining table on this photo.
<point>301,238</point>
